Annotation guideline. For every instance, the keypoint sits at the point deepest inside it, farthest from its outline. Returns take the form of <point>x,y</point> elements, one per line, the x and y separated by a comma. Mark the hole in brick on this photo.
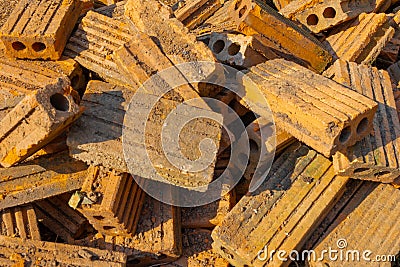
<point>362,126</point>
<point>59,102</point>
<point>38,47</point>
<point>74,81</point>
<point>233,49</point>
<point>382,173</point>
<point>312,20</point>
<point>237,4</point>
<point>345,135</point>
<point>242,11</point>
<point>99,217</point>
<point>18,46</point>
<point>361,170</point>
<point>108,227</point>
<point>218,46</point>
<point>329,13</point>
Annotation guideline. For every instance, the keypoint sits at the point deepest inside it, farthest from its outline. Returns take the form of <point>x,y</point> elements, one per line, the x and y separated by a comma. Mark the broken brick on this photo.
<point>320,16</point>
<point>362,39</point>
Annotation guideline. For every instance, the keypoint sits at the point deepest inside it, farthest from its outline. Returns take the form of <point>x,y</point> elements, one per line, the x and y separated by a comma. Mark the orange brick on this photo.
<point>362,39</point>
<point>20,252</point>
<point>94,42</point>
<point>209,215</point>
<point>283,212</point>
<point>197,251</point>
<point>195,12</point>
<point>112,202</point>
<point>320,16</point>
<point>375,157</point>
<point>158,238</point>
<point>44,114</point>
<point>59,218</point>
<point>19,222</point>
<point>39,30</point>
<point>328,124</point>
<point>369,221</point>
<point>40,178</point>
<point>275,31</point>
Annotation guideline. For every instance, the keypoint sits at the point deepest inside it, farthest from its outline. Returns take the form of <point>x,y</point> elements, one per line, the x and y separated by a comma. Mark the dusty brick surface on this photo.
<point>39,30</point>
<point>363,227</point>
<point>375,157</point>
<point>328,124</point>
<point>298,192</point>
<point>36,120</point>
<point>18,251</point>
<point>40,178</point>
<point>19,221</point>
<point>279,33</point>
<point>113,202</point>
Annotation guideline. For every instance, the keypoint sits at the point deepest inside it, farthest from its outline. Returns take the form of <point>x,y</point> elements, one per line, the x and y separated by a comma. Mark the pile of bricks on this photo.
<point>329,69</point>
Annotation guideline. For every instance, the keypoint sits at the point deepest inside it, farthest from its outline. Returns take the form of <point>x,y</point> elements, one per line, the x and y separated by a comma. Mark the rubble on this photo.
<point>18,251</point>
<point>97,110</point>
